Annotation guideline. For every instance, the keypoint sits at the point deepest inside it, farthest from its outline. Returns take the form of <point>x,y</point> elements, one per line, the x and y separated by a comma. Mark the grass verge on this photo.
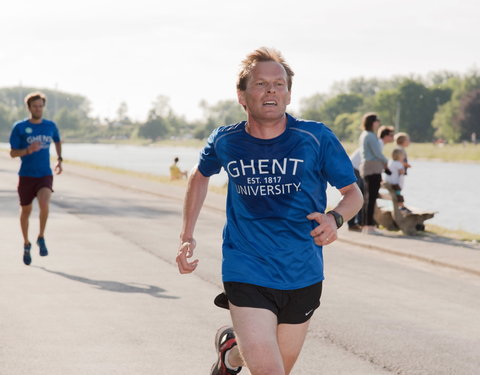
<point>149,176</point>
<point>452,233</point>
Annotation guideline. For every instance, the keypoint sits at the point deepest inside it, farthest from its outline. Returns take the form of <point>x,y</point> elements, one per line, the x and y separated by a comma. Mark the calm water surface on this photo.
<point>451,189</point>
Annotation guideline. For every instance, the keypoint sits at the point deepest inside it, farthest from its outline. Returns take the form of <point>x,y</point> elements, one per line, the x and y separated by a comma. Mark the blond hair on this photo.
<point>400,138</point>
<point>262,54</point>
<point>397,154</point>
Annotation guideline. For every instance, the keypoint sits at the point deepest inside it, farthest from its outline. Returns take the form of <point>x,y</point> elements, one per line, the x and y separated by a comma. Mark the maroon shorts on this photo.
<point>28,187</point>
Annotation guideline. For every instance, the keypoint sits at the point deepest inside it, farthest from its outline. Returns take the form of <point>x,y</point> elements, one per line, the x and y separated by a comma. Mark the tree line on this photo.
<point>442,105</point>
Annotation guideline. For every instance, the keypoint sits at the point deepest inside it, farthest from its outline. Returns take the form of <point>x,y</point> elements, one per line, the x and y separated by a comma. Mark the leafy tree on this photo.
<point>14,97</point>
<point>361,86</point>
<point>418,105</point>
<point>443,121</point>
<point>67,119</point>
<point>156,127</point>
<point>441,77</point>
<point>5,123</point>
<point>347,126</point>
<point>224,112</point>
<point>122,115</point>
<point>343,103</point>
<point>176,125</point>
<point>447,120</point>
<point>318,108</point>
<point>310,107</point>
<point>386,104</point>
<point>469,115</point>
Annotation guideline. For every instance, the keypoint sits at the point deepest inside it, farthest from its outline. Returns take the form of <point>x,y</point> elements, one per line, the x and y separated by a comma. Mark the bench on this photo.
<point>410,223</point>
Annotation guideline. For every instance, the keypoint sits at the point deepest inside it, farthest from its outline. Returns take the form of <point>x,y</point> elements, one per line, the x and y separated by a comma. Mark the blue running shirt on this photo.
<point>25,133</point>
<point>273,185</point>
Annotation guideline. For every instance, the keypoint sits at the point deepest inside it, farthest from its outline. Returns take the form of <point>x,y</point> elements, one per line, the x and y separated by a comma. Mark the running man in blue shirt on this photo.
<point>278,168</point>
<point>30,140</point>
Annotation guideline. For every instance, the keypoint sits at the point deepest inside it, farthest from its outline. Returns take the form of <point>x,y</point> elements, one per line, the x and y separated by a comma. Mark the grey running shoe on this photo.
<point>224,341</point>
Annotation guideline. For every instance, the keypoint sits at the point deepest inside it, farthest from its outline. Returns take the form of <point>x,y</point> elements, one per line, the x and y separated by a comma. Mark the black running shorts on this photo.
<point>294,306</point>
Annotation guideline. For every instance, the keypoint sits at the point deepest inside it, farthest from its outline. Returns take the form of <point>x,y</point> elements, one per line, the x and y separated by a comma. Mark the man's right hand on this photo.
<point>33,147</point>
<point>185,251</point>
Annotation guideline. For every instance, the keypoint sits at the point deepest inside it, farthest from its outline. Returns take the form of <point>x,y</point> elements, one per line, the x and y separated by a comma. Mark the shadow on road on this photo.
<point>115,286</point>
<point>109,207</point>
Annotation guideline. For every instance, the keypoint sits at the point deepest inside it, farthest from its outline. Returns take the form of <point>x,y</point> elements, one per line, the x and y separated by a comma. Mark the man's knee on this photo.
<point>25,211</point>
<point>43,198</point>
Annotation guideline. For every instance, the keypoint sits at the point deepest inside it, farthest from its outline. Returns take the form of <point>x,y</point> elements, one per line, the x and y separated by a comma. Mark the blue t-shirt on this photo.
<point>273,185</point>
<point>24,133</point>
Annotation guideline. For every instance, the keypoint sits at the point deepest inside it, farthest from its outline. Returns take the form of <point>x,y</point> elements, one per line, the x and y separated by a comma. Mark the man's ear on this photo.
<point>241,98</point>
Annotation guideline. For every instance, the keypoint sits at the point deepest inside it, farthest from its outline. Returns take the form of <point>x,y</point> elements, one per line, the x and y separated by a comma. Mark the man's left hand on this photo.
<point>58,168</point>
<point>326,232</point>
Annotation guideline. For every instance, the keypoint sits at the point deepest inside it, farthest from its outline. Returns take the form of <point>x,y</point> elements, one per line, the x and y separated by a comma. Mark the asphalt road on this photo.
<point>108,298</point>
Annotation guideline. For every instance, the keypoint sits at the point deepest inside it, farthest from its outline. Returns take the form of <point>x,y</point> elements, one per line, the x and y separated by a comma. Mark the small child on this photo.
<point>397,176</point>
<point>175,172</point>
<point>403,141</point>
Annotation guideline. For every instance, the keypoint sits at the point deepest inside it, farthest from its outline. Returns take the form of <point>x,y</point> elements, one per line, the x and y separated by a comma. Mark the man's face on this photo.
<point>36,109</point>
<point>266,96</point>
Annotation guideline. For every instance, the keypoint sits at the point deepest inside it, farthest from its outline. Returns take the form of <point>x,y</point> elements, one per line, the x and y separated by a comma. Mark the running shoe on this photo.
<point>27,259</point>
<point>224,341</point>
<point>42,246</point>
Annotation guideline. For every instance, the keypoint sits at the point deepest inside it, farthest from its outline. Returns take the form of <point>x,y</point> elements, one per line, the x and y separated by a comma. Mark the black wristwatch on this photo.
<point>60,159</point>
<point>338,218</point>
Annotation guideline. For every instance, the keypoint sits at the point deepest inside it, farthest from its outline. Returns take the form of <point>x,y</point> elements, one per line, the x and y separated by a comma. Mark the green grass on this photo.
<point>152,177</point>
<point>193,143</point>
<point>454,152</point>
<point>450,233</point>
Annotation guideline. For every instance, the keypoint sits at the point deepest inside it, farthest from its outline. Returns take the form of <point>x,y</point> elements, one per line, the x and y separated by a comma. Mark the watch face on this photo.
<point>338,218</point>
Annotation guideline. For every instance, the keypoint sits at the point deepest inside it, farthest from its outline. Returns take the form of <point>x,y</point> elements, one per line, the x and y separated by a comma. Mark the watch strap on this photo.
<point>338,218</point>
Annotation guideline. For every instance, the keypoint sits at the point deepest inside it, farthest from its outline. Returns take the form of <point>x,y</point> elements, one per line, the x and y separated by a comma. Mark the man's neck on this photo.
<point>266,129</point>
<point>35,120</point>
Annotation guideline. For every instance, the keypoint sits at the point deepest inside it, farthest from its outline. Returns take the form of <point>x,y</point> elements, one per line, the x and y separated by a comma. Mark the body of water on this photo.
<point>448,188</point>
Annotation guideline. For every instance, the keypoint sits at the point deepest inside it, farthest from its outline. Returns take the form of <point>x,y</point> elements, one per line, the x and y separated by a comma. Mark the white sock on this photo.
<point>227,363</point>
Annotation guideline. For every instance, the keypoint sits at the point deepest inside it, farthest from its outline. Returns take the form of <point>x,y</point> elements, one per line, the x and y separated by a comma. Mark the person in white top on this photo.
<point>397,176</point>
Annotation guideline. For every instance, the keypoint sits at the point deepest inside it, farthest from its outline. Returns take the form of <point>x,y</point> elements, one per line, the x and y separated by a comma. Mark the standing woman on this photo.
<point>373,162</point>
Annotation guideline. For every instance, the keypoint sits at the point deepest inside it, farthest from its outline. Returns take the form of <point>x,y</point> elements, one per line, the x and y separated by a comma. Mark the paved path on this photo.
<point>109,300</point>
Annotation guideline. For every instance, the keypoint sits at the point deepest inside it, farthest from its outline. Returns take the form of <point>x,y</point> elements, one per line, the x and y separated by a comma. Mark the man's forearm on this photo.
<point>196,192</point>
<point>351,201</point>
<point>58,148</point>
<point>19,152</point>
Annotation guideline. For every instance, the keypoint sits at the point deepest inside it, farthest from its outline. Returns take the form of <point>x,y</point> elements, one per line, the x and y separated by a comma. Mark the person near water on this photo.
<point>175,172</point>
<point>373,163</point>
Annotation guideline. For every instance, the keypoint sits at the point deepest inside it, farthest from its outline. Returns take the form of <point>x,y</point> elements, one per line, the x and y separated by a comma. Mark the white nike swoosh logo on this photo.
<point>308,312</point>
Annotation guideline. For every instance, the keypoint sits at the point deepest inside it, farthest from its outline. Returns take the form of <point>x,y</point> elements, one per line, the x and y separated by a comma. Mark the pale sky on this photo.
<point>112,50</point>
